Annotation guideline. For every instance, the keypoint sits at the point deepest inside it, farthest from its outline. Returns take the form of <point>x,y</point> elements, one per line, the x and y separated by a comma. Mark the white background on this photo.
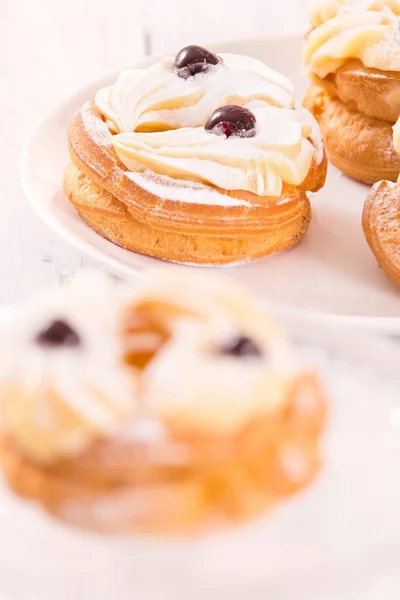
<point>50,47</point>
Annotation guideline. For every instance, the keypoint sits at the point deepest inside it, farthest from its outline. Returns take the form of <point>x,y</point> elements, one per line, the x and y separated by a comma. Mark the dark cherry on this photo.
<point>192,60</point>
<point>58,333</point>
<point>241,346</point>
<point>232,120</point>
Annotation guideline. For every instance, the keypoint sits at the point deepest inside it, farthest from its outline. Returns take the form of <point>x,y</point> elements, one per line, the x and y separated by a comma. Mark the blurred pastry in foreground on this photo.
<point>381,221</point>
<point>176,407</point>
<point>352,55</point>
<point>199,159</point>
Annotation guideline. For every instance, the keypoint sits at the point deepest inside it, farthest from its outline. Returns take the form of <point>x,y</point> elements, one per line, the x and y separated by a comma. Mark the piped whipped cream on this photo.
<point>323,10</point>
<point>213,392</point>
<point>157,119</point>
<point>280,152</point>
<point>396,135</point>
<point>157,99</point>
<point>358,29</point>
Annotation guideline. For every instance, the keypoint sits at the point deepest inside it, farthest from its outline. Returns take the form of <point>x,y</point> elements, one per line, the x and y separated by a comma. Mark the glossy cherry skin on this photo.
<point>232,120</point>
<point>192,60</point>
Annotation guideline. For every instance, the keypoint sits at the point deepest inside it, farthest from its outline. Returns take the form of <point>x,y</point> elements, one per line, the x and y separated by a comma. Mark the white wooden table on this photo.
<point>48,48</point>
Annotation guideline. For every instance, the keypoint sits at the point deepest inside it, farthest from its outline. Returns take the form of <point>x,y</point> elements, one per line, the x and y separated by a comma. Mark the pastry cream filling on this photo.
<point>396,135</point>
<point>156,99</point>
<point>213,392</point>
<point>279,152</point>
<point>158,119</point>
<point>367,31</point>
<point>323,10</point>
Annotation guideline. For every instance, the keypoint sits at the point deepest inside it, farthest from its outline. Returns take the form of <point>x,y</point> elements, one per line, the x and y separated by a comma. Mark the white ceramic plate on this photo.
<point>332,274</point>
<point>338,540</point>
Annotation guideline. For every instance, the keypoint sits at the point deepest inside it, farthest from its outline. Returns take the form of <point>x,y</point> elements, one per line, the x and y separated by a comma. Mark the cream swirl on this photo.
<point>367,31</point>
<point>396,135</point>
<point>58,398</point>
<point>323,10</point>
<point>280,152</point>
<point>156,99</point>
<point>216,391</point>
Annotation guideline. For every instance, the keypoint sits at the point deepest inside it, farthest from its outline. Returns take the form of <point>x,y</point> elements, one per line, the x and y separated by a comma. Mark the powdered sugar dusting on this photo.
<point>367,31</point>
<point>95,127</point>
<point>156,98</point>
<point>316,136</point>
<point>178,190</point>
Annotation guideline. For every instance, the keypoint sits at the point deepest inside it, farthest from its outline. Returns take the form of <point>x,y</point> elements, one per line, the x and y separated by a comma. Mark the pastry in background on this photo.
<point>199,159</point>
<point>352,56</point>
<point>381,221</point>
<point>176,407</point>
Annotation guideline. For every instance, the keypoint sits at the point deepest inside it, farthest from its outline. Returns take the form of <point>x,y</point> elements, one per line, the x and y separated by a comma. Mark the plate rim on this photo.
<point>386,325</point>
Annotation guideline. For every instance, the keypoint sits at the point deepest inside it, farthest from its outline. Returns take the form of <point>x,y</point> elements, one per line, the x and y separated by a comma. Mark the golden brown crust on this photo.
<point>374,93</point>
<point>118,486</point>
<point>360,146</point>
<point>381,224</point>
<point>113,220</point>
<point>117,208</point>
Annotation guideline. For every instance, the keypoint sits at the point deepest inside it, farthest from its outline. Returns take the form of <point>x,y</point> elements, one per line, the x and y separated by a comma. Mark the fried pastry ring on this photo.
<point>219,422</point>
<point>99,187</point>
<point>381,224</point>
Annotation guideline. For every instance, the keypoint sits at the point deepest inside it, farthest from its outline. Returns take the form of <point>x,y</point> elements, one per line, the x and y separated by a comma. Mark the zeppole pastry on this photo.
<point>198,159</point>
<point>352,56</point>
<point>178,406</point>
<point>381,221</point>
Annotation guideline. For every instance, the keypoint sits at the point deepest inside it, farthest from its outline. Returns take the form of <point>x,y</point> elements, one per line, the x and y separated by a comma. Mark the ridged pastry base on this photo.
<point>119,486</point>
<point>360,146</point>
<point>381,224</point>
<point>109,217</point>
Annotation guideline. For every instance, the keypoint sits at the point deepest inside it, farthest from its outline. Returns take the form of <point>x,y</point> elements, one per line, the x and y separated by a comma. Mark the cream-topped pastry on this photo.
<point>200,159</point>
<point>366,31</point>
<point>156,98</point>
<point>62,373</point>
<point>352,56</point>
<point>222,421</point>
